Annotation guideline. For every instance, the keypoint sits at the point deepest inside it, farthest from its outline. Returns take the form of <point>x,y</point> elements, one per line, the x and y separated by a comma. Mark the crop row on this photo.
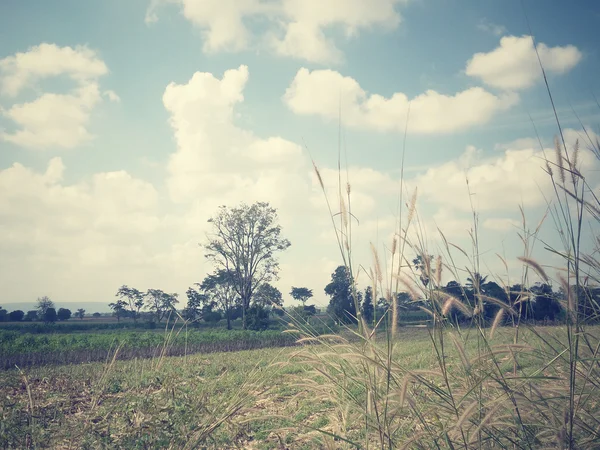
<point>27,350</point>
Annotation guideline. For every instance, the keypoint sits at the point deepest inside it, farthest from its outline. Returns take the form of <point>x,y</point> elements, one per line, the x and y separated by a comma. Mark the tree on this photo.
<point>134,299</point>
<point>367,304</point>
<point>160,302</point>
<point>198,305</point>
<point>43,303</point>
<point>545,305</point>
<point>267,295</point>
<point>96,314</point>
<point>245,241</point>
<point>301,294</point>
<point>31,316</point>
<point>3,315</point>
<point>341,304</point>
<point>63,314</point>
<point>80,313</point>
<point>220,287</point>
<point>16,315</point>
<point>50,315</point>
<point>454,288</point>
<point>258,318</point>
<point>476,282</point>
<point>118,308</point>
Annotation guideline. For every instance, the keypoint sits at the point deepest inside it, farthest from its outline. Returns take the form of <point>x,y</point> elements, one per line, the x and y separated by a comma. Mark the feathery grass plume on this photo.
<point>549,169</point>
<point>404,388</point>
<point>466,414</point>
<point>486,419</point>
<point>570,297</point>
<point>378,273</point>
<point>497,320</point>
<point>460,348</point>
<point>318,175</point>
<point>411,208</point>
<point>348,189</point>
<point>559,160</point>
<point>454,303</point>
<point>535,266</point>
<point>344,213</point>
<point>575,157</point>
<point>496,301</point>
<point>438,271</point>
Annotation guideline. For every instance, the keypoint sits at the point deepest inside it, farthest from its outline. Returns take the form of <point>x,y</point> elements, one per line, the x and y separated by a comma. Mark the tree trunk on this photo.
<point>228,314</point>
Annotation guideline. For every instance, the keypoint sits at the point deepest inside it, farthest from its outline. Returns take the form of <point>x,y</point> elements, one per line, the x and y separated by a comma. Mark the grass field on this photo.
<point>24,349</point>
<point>248,399</point>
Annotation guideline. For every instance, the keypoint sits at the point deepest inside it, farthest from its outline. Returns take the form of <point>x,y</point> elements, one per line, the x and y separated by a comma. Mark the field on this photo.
<point>35,349</point>
<point>262,398</point>
<point>157,402</point>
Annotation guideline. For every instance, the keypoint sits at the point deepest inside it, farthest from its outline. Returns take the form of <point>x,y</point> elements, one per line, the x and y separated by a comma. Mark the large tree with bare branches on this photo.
<point>244,241</point>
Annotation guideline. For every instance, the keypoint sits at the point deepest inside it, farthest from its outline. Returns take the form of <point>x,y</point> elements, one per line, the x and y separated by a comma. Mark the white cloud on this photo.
<point>21,70</point>
<point>222,21</point>
<point>304,33</point>
<point>213,154</point>
<point>296,28</point>
<point>58,237</point>
<point>514,64</point>
<point>319,93</point>
<point>53,119</point>
<point>499,183</point>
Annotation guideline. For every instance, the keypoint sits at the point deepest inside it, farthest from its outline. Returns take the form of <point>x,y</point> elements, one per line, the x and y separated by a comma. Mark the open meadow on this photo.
<point>390,240</point>
<point>267,398</point>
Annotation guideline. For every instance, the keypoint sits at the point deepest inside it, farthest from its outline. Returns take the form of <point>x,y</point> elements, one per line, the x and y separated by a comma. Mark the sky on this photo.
<point>125,125</point>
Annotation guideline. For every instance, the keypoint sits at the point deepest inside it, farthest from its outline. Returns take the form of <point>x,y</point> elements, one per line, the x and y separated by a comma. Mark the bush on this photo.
<point>16,316</point>
<point>63,314</point>
<point>213,317</point>
<point>257,318</point>
<point>50,315</point>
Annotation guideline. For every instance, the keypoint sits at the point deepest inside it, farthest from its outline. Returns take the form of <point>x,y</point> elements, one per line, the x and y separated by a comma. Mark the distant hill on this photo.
<point>90,307</point>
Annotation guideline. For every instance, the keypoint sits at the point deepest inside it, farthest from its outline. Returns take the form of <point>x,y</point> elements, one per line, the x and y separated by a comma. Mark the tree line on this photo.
<point>538,302</point>
<point>243,248</point>
<point>45,312</point>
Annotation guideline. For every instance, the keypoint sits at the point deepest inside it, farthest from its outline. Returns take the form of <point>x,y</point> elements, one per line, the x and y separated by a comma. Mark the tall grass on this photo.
<point>508,385</point>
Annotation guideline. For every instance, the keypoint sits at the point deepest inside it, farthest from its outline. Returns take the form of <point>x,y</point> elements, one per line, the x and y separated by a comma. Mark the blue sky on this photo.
<point>118,190</point>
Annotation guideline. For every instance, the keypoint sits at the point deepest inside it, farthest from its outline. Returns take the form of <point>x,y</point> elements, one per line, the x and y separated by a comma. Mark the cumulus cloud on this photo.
<point>319,93</point>
<point>514,65</point>
<point>63,234</point>
<point>53,119</point>
<point>57,236</point>
<point>296,28</point>
<point>306,21</point>
<point>23,69</point>
<point>500,183</point>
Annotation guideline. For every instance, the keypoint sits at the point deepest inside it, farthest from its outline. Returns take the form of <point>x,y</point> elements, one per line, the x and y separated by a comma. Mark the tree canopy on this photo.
<point>341,304</point>
<point>302,294</point>
<point>219,287</point>
<point>244,241</point>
